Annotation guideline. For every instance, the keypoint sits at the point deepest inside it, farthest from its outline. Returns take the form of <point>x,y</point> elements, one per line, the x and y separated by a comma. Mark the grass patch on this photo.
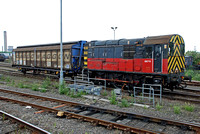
<point>46,83</point>
<point>35,87</point>
<point>12,83</point>
<point>43,90</point>
<point>56,85</point>
<point>158,107</point>
<point>4,117</point>
<point>132,100</point>
<point>196,77</point>
<point>7,79</point>
<point>74,94</point>
<point>22,85</point>
<point>124,103</point>
<point>2,78</point>
<point>63,89</point>
<point>177,109</point>
<point>104,93</point>
<point>54,124</point>
<point>189,107</point>
<point>113,99</point>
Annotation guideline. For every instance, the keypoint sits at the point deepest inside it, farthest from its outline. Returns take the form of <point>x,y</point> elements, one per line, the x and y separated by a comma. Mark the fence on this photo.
<point>150,94</point>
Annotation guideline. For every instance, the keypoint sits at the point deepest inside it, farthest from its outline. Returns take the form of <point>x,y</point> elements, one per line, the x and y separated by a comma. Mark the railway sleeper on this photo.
<point>91,113</point>
<point>146,119</point>
<point>117,118</point>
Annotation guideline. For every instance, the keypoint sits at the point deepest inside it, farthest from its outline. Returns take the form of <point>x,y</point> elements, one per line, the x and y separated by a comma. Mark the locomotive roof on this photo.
<point>117,42</point>
<point>162,39</point>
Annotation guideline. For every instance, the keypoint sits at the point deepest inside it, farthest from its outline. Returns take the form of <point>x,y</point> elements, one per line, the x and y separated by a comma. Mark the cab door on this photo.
<point>158,58</point>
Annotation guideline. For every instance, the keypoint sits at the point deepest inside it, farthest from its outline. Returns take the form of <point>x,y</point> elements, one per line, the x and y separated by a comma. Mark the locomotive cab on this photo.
<point>168,59</point>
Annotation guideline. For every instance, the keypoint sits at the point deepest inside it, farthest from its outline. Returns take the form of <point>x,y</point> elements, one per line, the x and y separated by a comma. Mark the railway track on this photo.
<point>112,119</point>
<point>193,83</point>
<point>3,64</point>
<point>190,89</point>
<point>15,72</point>
<point>186,94</point>
<point>182,96</point>
<point>10,126</point>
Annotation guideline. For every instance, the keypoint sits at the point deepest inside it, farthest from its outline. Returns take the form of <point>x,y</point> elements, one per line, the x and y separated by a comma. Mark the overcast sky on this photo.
<point>30,22</point>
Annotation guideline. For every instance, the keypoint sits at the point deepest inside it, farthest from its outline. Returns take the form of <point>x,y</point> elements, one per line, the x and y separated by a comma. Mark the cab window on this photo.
<point>148,52</point>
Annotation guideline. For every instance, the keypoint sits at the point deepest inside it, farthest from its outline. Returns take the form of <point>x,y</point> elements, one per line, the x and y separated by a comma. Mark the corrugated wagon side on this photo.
<point>46,58</point>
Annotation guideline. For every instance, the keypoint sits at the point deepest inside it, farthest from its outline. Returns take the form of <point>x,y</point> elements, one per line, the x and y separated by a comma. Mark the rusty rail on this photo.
<point>192,126</point>
<point>32,127</point>
<point>193,83</point>
<point>189,97</point>
<point>3,64</point>
<point>94,121</point>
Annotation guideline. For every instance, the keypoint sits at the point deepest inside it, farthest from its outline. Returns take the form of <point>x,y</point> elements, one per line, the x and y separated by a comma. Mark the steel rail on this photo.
<point>3,64</point>
<point>29,75</point>
<point>173,95</point>
<point>193,126</point>
<point>182,94</point>
<point>193,83</point>
<point>94,121</point>
<point>189,90</point>
<point>181,99</point>
<point>30,126</point>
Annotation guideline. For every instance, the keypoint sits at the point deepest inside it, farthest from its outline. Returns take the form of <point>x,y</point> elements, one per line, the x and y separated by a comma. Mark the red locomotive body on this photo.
<point>152,60</point>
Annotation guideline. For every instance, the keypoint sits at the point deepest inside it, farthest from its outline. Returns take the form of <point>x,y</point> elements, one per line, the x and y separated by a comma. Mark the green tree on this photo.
<point>195,55</point>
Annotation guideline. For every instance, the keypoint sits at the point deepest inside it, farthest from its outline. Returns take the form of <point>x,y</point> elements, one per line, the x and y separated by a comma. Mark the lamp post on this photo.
<point>114,28</point>
<point>61,46</point>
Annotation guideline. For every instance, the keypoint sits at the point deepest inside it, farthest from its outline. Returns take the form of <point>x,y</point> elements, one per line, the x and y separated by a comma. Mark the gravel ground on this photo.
<point>52,124</point>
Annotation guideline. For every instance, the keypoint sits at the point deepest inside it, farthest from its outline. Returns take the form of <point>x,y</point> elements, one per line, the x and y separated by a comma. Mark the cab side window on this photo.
<point>148,52</point>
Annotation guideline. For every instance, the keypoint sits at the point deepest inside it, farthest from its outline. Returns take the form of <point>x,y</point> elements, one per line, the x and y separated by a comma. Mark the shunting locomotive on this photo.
<point>150,60</point>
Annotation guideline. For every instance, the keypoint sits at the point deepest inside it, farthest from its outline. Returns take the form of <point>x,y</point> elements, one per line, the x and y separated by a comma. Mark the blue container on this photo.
<point>77,53</point>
